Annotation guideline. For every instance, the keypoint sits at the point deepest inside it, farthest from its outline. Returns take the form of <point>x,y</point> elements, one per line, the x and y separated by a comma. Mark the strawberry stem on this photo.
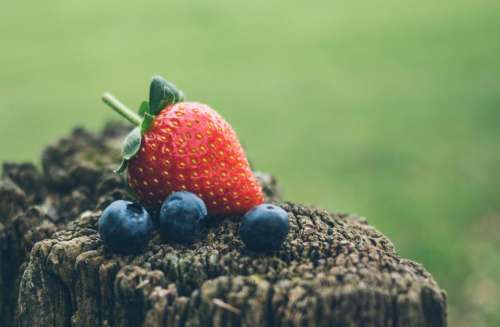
<point>122,109</point>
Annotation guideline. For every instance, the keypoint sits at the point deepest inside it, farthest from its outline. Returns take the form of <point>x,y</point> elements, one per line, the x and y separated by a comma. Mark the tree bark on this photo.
<point>333,269</point>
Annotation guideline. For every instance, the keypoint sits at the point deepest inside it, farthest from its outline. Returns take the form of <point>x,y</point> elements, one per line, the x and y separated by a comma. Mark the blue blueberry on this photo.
<point>181,215</point>
<point>264,228</point>
<point>125,227</point>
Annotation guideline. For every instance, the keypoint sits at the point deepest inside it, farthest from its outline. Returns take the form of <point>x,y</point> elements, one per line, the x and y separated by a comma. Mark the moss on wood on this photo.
<point>334,269</point>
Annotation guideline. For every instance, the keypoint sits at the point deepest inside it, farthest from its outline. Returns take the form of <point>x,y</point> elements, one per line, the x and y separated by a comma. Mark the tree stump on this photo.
<point>333,269</point>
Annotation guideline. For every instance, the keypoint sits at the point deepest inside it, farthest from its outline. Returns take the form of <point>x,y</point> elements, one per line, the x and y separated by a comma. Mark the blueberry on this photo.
<point>181,215</point>
<point>125,227</point>
<point>264,228</point>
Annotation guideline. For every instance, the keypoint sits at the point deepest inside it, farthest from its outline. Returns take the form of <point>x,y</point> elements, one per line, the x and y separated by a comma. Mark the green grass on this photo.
<point>389,109</point>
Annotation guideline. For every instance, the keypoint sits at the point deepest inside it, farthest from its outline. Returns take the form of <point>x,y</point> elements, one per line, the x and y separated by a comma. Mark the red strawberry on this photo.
<point>187,146</point>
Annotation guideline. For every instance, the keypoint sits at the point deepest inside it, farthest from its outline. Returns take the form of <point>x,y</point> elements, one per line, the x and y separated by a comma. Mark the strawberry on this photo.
<point>185,146</point>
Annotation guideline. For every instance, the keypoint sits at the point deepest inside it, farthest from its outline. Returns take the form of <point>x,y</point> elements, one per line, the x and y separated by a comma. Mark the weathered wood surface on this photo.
<point>334,269</point>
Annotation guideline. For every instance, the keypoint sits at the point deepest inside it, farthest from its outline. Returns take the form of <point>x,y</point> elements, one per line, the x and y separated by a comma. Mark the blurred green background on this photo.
<point>389,109</point>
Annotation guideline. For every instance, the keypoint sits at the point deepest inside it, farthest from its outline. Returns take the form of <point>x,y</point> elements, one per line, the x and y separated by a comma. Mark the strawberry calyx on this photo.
<point>162,93</point>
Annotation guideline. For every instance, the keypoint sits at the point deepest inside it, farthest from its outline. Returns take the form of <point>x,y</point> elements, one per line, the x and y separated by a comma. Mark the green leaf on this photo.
<point>132,144</point>
<point>123,166</point>
<point>162,93</point>
<point>143,108</point>
<point>181,96</point>
<point>147,122</point>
